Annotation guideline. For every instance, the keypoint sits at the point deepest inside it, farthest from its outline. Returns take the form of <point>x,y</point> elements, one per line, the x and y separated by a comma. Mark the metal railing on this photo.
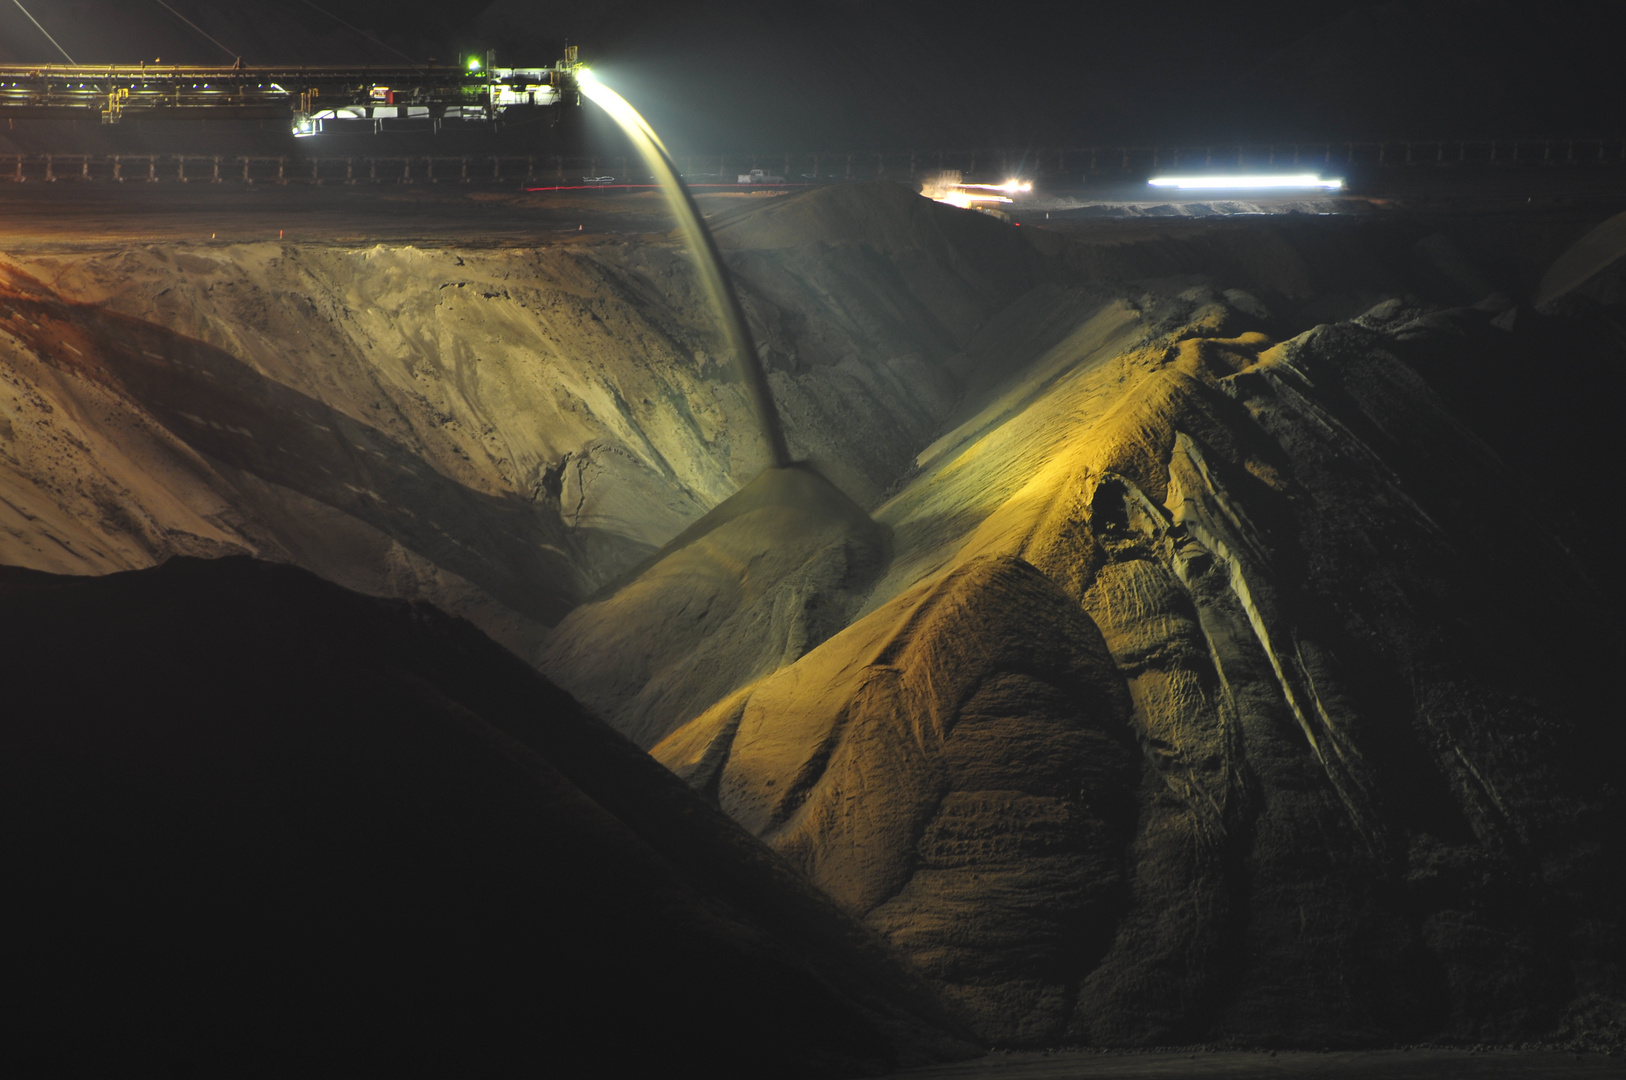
<point>287,169</point>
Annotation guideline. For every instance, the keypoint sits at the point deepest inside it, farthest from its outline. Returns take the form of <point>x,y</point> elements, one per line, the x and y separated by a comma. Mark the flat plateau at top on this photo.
<point>41,216</point>
<point>36,216</point>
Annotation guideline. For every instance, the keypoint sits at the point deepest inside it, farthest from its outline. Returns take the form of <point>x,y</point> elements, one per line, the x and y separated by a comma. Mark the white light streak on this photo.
<point>1258,181</point>
<point>618,107</point>
<point>1009,185</point>
<point>44,31</point>
<point>947,188</point>
<point>965,200</point>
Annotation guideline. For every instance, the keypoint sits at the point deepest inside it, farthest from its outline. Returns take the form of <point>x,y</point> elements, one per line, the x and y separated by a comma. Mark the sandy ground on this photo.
<point>1421,1064</point>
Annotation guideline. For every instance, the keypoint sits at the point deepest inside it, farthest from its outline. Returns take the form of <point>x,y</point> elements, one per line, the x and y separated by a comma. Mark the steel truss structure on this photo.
<point>305,96</point>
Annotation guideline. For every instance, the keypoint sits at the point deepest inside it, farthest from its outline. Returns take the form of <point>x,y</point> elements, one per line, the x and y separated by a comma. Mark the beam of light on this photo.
<point>44,31</point>
<point>1009,185</point>
<point>948,188</point>
<point>966,200</point>
<point>1254,182</point>
<point>703,246</point>
<point>657,187</point>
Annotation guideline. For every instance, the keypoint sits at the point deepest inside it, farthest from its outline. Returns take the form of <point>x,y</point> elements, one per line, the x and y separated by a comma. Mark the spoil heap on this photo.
<point>256,822</point>
<point>1199,697</point>
<point>1226,653</point>
<point>499,431</point>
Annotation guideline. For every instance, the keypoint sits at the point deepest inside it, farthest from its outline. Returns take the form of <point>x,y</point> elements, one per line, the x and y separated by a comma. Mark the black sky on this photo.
<point>845,73</point>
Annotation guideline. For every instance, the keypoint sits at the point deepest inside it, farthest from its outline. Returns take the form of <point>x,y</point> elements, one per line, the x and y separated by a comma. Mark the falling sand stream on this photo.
<point>700,242</point>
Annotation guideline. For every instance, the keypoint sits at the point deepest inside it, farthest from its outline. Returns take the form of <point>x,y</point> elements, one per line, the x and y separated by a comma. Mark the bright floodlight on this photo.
<point>474,63</point>
<point>1210,183</point>
<point>1009,185</point>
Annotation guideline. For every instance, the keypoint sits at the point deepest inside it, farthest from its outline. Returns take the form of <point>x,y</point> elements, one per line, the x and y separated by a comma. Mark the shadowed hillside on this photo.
<point>256,822</point>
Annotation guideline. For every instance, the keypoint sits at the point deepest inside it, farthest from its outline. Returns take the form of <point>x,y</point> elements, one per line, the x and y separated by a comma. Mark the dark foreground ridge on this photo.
<point>256,821</point>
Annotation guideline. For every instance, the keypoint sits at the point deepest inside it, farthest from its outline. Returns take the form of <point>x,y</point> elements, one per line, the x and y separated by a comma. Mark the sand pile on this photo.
<point>1595,256</point>
<point>1229,656</point>
<point>1289,741</point>
<point>286,828</point>
<point>956,767</point>
<point>747,589</point>
<point>871,271</point>
<point>498,431</point>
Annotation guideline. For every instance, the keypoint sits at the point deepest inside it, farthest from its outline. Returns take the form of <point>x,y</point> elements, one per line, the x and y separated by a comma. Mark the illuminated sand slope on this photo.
<point>498,431</point>
<point>1229,655</point>
<point>1214,686</point>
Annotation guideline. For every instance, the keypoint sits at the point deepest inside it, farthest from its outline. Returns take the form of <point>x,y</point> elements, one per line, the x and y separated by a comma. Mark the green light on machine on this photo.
<point>474,63</point>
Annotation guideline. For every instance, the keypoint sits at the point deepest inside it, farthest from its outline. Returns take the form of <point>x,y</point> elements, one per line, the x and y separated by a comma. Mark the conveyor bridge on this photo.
<point>307,97</point>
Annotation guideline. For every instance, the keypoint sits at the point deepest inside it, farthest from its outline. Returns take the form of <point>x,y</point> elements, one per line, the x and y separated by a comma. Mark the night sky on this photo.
<point>834,74</point>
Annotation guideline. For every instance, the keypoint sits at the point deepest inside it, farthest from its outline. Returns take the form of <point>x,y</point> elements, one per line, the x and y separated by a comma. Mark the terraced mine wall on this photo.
<point>1196,634</point>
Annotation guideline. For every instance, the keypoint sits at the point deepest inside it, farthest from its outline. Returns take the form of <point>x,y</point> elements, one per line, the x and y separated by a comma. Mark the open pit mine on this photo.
<point>1167,632</point>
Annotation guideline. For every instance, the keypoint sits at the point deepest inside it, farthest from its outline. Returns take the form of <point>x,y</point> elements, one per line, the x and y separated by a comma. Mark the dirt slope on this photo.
<point>747,589</point>
<point>954,767</point>
<point>1366,706</point>
<point>284,827</point>
<point>500,431</point>
<point>1229,657</point>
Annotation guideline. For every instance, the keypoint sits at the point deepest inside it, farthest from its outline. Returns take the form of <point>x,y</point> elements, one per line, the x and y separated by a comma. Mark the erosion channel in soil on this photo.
<point>1175,632</point>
